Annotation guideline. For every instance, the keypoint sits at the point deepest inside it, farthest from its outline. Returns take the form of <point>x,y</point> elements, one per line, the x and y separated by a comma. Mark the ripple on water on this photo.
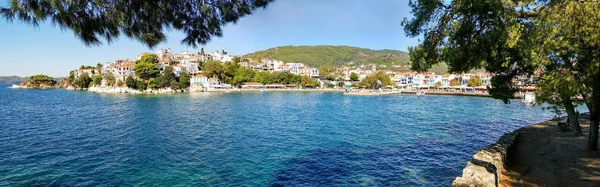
<point>57,137</point>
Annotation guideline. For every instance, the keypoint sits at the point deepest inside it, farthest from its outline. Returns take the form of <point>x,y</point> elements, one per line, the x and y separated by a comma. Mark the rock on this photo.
<point>487,164</point>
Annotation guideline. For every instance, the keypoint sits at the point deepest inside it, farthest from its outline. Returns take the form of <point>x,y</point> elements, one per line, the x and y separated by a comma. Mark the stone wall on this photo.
<point>487,164</point>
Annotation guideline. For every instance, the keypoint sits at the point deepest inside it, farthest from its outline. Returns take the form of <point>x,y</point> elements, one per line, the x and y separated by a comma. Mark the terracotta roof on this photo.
<point>199,76</point>
<point>128,64</point>
<point>343,69</point>
<point>446,75</point>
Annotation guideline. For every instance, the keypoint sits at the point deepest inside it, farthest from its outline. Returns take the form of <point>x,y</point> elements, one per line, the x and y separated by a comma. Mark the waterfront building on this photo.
<point>198,82</point>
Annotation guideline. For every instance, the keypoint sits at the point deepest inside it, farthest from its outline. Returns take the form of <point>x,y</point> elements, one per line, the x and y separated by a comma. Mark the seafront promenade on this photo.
<point>528,157</point>
<point>353,92</point>
<point>452,93</point>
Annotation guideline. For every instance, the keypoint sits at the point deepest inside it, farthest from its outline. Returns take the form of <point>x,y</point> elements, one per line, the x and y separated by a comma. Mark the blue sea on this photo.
<point>75,138</point>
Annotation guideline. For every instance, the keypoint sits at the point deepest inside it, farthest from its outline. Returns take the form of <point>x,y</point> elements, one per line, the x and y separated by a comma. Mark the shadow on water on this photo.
<point>415,164</point>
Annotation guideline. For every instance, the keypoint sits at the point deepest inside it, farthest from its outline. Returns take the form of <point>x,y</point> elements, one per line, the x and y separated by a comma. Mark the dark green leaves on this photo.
<point>144,21</point>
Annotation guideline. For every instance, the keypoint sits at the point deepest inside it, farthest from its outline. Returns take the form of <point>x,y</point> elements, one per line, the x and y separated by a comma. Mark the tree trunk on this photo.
<point>594,115</point>
<point>593,136</point>
<point>572,115</point>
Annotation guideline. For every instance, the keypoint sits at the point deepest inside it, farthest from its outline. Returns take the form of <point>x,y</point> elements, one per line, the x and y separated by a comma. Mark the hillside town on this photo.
<point>345,77</point>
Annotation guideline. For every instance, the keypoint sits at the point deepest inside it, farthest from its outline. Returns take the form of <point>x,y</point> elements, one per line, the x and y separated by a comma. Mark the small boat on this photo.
<point>528,98</point>
<point>16,86</point>
<point>262,90</point>
<point>420,92</point>
<point>227,91</point>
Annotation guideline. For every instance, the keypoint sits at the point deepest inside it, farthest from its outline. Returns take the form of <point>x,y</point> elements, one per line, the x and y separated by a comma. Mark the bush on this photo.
<point>174,85</point>
<point>184,80</point>
<point>41,79</point>
<point>141,85</point>
<point>83,81</point>
<point>130,82</point>
<point>328,84</point>
<point>119,83</point>
<point>110,79</point>
<point>377,80</point>
<point>474,81</point>
<point>152,83</point>
<point>97,80</point>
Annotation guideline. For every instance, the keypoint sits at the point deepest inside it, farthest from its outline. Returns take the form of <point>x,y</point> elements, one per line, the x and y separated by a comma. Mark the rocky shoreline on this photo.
<point>125,90</point>
<point>529,156</point>
<point>487,164</point>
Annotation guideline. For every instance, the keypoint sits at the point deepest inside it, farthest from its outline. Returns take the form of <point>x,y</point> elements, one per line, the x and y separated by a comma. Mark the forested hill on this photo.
<point>17,79</point>
<point>12,79</point>
<point>316,56</point>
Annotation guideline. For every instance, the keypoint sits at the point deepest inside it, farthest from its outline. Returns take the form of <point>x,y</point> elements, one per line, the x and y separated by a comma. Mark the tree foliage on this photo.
<point>377,80</point>
<point>140,85</point>
<point>146,70</point>
<point>97,80</point>
<point>184,80</point>
<point>148,58</point>
<point>83,81</point>
<point>42,79</point>
<point>329,72</point>
<point>119,83</point>
<point>130,82</point>
<point>213,69</point>
<point>328,84</point>
<point>144,21</point>
<point>515,38</point>
<point>152,83</point>
<point>164,80</point>
<point>437,84</point>
<point>474,81</point>
<point>308,82</point>
<point>353,76</point>
<point>454,82</point>
<point>110,79</point>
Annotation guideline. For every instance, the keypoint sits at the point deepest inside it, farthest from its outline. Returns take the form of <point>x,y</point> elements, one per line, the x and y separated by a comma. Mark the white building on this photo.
<point>164,54</point>
<point>218,56</point>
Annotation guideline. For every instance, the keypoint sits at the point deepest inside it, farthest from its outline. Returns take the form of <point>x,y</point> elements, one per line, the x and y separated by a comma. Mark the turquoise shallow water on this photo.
<point>59,137</point>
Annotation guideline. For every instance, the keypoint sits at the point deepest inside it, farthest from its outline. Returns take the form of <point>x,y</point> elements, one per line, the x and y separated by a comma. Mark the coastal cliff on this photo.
<point>487,164</point>
<point>30,85</point>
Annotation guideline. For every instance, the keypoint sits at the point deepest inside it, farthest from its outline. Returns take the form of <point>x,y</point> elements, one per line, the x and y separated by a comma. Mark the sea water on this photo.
<point>76,138</point>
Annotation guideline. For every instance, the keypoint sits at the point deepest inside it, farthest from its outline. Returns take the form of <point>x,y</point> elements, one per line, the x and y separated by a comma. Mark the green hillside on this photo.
<point>316,56</point>
<point>12,79</point>
<point>17,79</point>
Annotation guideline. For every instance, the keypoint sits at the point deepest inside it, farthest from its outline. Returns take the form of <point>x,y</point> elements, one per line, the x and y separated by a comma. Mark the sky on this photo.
<point>375,24</point>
